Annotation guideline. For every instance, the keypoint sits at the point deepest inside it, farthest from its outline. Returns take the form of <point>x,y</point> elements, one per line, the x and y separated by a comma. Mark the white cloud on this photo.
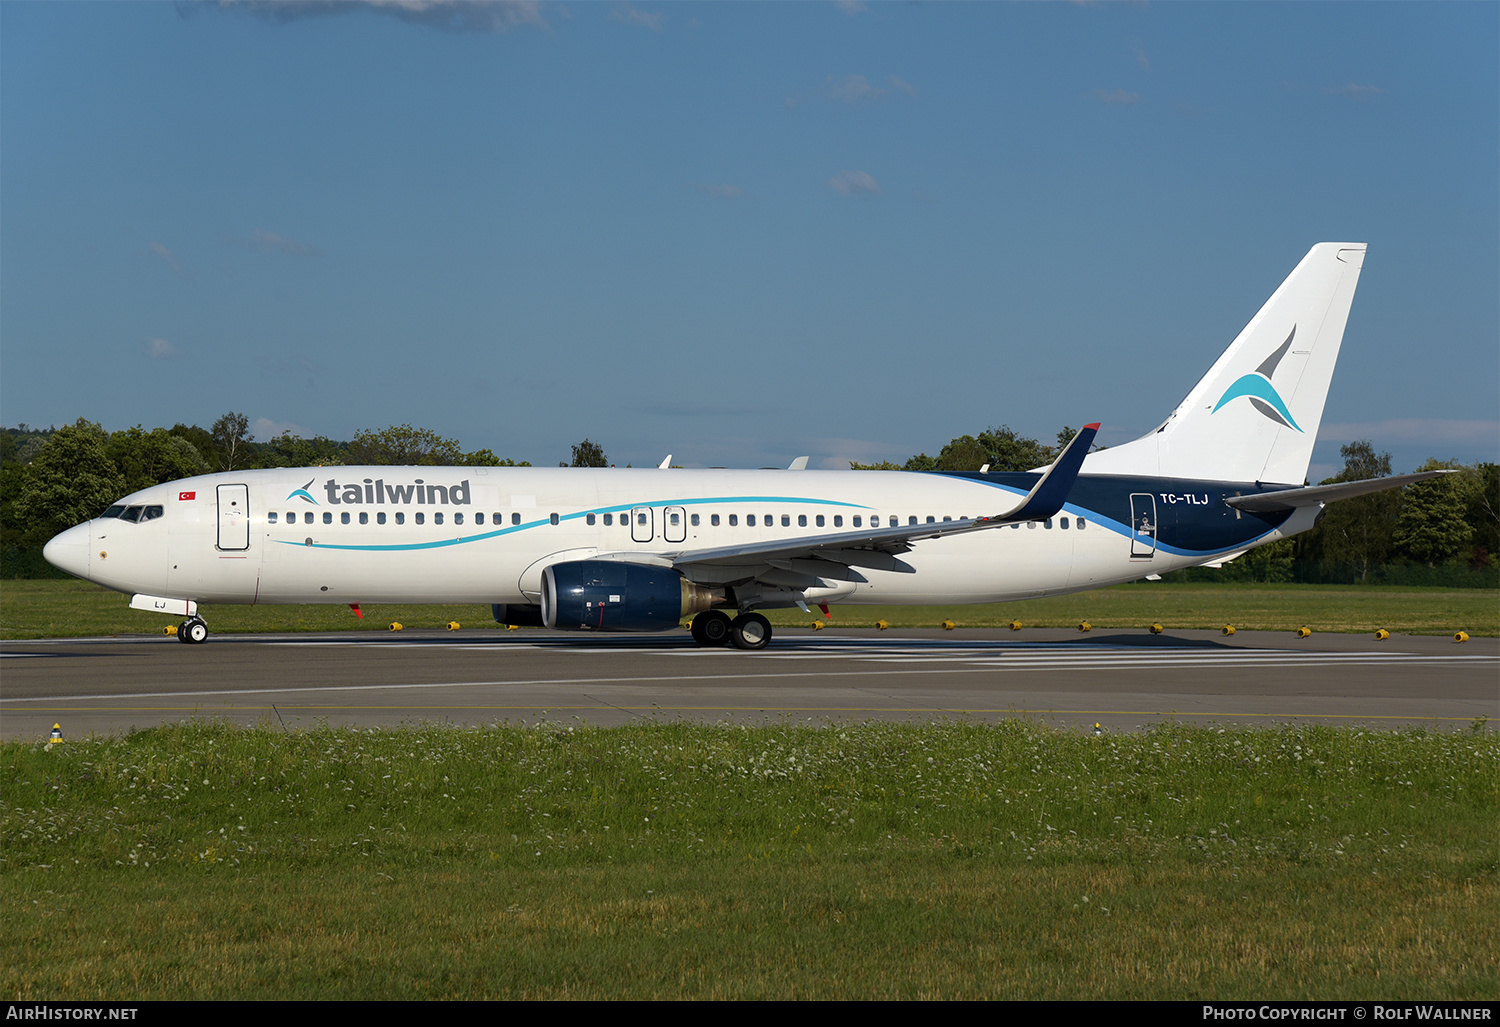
<point>853,89</point>
<point>270,242</point>
<point>901,85</point>
<point>159,349</point>
<point>1115,97</point>
<point>163,254</point>
<point>846,183</point>
<point>265,429</point>
<point>630,16</point>
<point>1355,91</point>
<point>451,15</point>
<point>1428,430</point>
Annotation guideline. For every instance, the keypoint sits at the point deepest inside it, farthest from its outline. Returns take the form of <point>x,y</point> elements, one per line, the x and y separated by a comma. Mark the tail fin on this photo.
<point>1255,415</point>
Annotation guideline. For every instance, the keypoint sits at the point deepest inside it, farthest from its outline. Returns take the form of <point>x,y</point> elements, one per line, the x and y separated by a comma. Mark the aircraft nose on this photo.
<point>69,551</point>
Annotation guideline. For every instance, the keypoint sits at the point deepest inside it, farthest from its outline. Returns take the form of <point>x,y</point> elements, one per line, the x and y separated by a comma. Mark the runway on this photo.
<point>1122,679</point>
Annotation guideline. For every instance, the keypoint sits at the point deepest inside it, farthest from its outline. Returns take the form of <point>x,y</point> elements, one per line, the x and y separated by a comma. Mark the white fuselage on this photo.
<point>484,534</point>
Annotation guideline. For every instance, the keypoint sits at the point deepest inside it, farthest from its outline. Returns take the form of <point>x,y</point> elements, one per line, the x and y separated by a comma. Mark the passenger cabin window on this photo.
<point>344,517</point>
<point>379,517</point>
<point>589,519</point>
<point>271,517</point>
<point>856,521</point>
<point>400,517</point>
<point>364,517</point>
<point>1062,522</point>
<point>695,520</point>
<point>1080,523</point>
<point>307,518</point>
<point>734,519</point>
<point>749,520</point>
<point>553,518</point>
<point>1047,524</point>
<point>479,518</point>
<point>419,518</point>
<point>802,520</point>
<point>437,518</point>
<point>609,519</point>
<point>786,522</point>
<point>458,518</point>
<point>713,520</point>
<point>838,520</point>
<point>911,520</point>
<point>515,518</point>
<point>327,517</point>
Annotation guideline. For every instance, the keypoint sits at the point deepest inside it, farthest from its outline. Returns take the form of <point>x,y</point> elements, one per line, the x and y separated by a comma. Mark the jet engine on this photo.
<point>606,595</point>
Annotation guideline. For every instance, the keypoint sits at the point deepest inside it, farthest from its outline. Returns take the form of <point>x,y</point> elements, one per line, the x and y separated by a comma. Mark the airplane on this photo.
<point>611,549</point>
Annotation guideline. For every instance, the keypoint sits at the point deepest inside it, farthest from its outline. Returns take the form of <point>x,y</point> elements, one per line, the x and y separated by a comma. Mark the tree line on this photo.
<point>51,479</point>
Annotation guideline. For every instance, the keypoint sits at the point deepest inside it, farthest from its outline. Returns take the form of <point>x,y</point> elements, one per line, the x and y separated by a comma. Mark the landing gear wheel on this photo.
<point>711,627</point>
<point>193,632</point>
<point>750,631</point>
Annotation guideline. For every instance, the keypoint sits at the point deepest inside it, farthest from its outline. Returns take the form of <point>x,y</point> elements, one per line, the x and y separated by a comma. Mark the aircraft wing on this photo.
<point>1290,499</point>
<point>801,562</point>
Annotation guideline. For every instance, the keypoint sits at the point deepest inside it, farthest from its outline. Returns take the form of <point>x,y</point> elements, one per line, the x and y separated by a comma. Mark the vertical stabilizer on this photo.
<point>1255,415</point>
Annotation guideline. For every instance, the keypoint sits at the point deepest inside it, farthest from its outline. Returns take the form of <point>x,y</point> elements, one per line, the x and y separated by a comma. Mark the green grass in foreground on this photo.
<point>665,860</point>
<point>73,608</point>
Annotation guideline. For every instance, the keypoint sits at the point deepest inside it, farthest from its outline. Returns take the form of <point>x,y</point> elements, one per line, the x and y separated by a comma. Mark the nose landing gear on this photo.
<point>193,631</point>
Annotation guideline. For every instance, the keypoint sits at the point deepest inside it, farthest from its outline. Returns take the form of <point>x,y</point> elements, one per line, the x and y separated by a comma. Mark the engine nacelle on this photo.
<point>606,595</point>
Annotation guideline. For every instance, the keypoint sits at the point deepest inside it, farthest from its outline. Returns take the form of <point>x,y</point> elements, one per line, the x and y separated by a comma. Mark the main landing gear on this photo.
<point>747,631</point>
<point>193,631</point>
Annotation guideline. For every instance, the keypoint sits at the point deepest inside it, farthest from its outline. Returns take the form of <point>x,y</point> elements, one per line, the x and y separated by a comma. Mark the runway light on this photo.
<point>1015,625</point>
<point>55,738</point>
<point>1304,632</point>
<point>948,625</point>
<point>882,625</point>
<point>1084,625</point>
<point>817,625</point>
<point>1460,636</point>
<point>1097,729</point>
<point>1156,629</point>
<point>1228,630</point>
<point>454,625</point>
<point>396,625</point>
<point>1382,634</point>
<point>517,627</point>
<point>170,629</point>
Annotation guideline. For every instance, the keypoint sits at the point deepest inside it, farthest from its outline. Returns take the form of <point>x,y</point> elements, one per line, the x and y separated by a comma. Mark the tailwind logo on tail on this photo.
<point>1257,388</point>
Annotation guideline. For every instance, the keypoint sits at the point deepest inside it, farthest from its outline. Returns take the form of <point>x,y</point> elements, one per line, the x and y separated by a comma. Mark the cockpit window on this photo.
<point>151,513</point>
<point>113,511</point>
<point>131,514</point>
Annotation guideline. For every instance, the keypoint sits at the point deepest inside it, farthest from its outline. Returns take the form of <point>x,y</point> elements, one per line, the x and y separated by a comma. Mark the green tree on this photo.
<point>146,458</point>
<point>288,450</point>
<point>1357,531</point>
<point>1432,526</point>
<point>201,440</point>
<point>1010,451</point>
<point>71,480</point>
<point>231,435</point>
<point>589,454</point>
<point>1484,514</point>
<point>403,444</point>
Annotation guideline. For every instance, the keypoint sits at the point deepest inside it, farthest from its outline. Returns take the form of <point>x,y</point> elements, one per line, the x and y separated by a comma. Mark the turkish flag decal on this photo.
<point>187,495</point>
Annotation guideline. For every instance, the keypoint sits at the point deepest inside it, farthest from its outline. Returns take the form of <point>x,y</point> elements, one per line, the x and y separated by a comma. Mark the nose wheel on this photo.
<point>193,631</point>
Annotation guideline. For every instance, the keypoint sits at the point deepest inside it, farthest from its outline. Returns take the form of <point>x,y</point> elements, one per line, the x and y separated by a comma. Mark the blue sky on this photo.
<point>738,232</point>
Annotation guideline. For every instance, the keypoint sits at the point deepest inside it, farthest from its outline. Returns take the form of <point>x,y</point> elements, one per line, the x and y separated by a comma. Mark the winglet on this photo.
<point>799,464</point>
<point>1049,494</point>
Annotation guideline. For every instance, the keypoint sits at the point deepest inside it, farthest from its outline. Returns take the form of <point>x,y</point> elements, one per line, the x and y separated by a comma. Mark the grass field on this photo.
<point>55,609</point>
<point>671,860</point>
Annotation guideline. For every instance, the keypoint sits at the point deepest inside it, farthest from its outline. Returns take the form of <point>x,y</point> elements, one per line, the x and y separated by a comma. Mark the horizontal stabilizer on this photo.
<point>1291,499</point>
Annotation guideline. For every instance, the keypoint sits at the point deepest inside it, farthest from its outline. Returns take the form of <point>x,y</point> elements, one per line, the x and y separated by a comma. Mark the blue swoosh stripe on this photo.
<point>1260,387</point>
